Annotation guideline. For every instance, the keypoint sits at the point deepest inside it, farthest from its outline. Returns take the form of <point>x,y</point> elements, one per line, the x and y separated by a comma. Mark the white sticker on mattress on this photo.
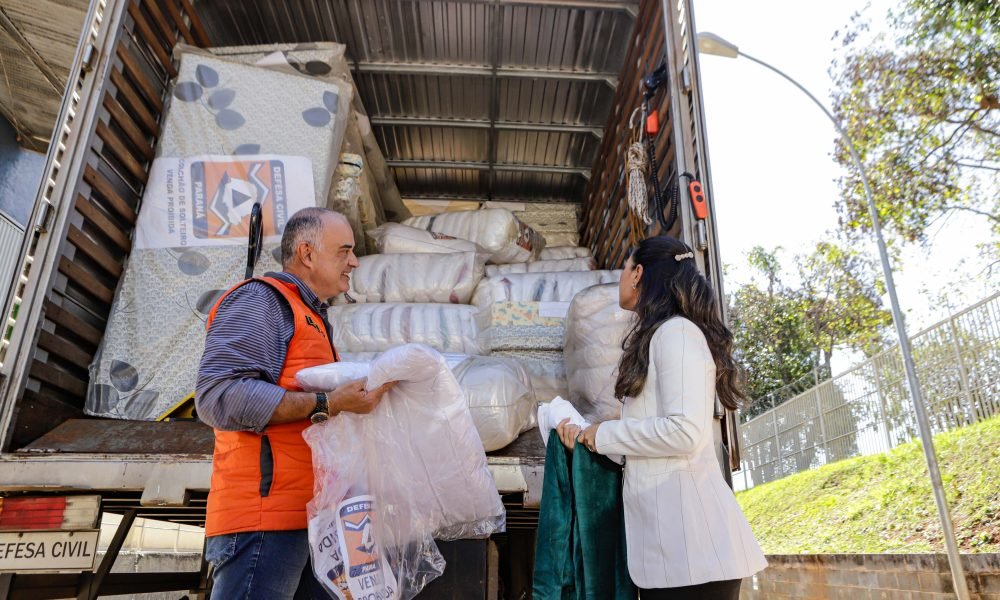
<point>207,200</point>
<point>558,310</point>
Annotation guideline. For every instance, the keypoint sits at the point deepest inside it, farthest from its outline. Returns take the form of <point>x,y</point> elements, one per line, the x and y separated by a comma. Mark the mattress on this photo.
<point>498,231</point>
<point>449,328</point>
<point>231,133</point>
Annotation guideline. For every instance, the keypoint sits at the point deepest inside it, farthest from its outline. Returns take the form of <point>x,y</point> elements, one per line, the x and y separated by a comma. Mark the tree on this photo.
<point>841,298</point>
<point>770,333</point>
<point>923,108</point>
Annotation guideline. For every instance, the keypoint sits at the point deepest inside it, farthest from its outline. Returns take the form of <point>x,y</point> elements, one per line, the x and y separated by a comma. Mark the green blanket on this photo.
<point>580,549</point>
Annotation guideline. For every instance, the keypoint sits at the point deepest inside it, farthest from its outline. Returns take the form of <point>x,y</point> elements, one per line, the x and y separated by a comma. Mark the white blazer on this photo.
<point>682,523</point>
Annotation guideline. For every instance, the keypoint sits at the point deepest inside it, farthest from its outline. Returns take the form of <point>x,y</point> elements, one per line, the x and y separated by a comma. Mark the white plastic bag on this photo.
<point>595,327</point>
<point>441,278</point>
<point>544,266</point>
<point>393,238</point>
<point>498,231</point>
<point>414,467</point>
<point>499,396</point>
<point>552,252</point>
<point>379,327</point>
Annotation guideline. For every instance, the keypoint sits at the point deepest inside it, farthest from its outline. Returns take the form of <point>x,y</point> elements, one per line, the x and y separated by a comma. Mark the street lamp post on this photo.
<point>709,43</point>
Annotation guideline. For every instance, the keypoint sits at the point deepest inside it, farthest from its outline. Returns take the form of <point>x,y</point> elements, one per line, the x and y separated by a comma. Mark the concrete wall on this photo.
<point>871,576</point>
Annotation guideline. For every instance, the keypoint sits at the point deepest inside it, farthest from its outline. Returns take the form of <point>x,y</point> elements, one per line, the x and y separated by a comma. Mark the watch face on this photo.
<point>319,417</point>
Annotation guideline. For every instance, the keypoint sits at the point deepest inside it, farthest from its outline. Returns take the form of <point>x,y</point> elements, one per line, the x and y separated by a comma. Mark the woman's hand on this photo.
<point>570,434</point>
<point>588,437</point>
<point>567,433</point>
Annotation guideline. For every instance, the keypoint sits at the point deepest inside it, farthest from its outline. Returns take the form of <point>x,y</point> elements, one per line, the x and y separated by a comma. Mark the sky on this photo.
<point>771,152</point>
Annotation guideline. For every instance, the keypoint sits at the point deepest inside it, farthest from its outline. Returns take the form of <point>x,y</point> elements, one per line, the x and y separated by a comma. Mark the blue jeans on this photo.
<point>263,565</point>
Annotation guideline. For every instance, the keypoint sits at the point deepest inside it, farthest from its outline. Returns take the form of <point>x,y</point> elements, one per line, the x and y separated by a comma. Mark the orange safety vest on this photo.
<point>262,481</point>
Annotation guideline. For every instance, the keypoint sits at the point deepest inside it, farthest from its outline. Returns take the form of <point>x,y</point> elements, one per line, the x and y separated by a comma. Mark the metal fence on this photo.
<point>867,409</point>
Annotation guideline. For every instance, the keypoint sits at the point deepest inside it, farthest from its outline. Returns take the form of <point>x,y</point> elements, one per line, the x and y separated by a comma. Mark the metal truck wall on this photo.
<point>80,231</point>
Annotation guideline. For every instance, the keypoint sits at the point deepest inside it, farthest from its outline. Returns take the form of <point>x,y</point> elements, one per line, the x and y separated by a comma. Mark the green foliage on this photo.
<point>784,333</point>
<point>884,503</point>
<point>923,108</point>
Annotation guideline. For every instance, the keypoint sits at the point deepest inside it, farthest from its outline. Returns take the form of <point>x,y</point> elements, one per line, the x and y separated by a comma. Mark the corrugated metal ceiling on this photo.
<point>469,98</point>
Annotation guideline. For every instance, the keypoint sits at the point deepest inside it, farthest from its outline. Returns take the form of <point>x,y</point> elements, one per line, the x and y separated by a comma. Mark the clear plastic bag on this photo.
<point>393,238</point>
<point>497,230</point>
<point>441,278</point>
<point>562,265</point>
<point>414,467</point>
<point>379,327</point>
<point>553,252</point>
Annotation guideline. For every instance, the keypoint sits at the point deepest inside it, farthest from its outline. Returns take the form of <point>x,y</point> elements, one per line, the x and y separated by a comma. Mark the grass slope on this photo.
<point>884,503</point>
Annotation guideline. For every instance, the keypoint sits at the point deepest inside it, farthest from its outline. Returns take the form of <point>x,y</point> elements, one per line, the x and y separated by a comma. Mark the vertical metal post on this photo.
<point>962,373</point>
<point>822,425</point>
<point>882,413</point>
<point>777,441</point>
<point>90,585</point>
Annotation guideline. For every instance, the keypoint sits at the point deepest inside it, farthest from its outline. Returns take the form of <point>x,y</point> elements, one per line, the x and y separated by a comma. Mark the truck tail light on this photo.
<point>49,512</point>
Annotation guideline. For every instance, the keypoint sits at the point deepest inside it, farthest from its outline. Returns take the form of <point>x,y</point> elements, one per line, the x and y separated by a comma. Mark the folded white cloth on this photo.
<point>550,414</point>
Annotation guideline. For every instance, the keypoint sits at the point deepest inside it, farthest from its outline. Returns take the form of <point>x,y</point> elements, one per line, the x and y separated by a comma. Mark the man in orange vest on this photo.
<point>260,334</point>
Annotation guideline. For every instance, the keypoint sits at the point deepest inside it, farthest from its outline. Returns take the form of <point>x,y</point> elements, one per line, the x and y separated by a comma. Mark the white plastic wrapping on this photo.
<point>551,252</point>
<point>545,368</point>
<point>379,327</point>
<point>498,231</point>
<point>595,327</point>
<point>440,278</point>
<point>393,238</point>
<point>586,263</point>
<point>527,311</point>
<point>498,391</point>
<point>389,482</point>
<point>500,398</point>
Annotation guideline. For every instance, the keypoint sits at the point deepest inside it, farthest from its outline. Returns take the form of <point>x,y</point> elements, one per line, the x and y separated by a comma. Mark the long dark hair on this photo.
<point>671,287</point>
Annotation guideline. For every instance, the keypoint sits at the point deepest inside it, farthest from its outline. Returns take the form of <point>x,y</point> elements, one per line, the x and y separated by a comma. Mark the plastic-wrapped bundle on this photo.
<point>500,398</point>
<point>564,265</point>
<point>389,482</point>
<point>557,252</point>
<point>545,368</point>
<point>442,278</point>
<point>393,238</point>
<point>526,311</point>
<point>379,327</point>
<point>232,134</point>
<point>595,327</point>
<point>566,238</point>
<point>497,390</point>
<point>498,231</point>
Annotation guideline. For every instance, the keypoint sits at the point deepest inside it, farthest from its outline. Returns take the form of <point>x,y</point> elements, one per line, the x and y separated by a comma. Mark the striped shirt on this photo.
<point>245,353</point>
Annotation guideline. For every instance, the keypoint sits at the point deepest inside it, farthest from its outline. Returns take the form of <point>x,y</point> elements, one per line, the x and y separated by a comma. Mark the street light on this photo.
<point>709,43</point>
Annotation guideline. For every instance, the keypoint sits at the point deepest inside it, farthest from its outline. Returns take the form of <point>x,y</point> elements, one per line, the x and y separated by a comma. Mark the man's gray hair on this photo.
<point>304,226</point>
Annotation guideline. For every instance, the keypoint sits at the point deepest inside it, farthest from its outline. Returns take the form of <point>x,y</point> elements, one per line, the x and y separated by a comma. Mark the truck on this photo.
<point>509,100</point>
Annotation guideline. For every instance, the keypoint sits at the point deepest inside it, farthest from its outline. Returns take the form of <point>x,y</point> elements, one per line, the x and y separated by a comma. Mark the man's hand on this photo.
<point>354,398</point>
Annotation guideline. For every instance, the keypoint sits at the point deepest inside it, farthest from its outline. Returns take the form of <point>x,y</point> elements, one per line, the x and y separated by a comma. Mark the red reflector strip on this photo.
<point>49,512</point>
<point>32,513</point>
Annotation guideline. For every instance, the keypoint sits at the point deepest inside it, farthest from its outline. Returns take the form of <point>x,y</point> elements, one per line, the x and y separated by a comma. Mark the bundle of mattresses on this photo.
<point>557,222</point>
<point>595,328</point>
<point>234,134</point>
<point>419,288</point>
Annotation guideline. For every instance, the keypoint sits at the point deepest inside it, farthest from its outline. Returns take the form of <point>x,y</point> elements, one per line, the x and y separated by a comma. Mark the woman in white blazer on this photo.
<point>686,535</point>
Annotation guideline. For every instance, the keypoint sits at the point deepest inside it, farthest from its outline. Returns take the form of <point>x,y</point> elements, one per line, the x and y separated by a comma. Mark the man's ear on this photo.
<point>304,252</point>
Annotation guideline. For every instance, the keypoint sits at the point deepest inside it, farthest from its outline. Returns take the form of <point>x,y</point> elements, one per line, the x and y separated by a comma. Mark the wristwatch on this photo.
<point>322,411</point>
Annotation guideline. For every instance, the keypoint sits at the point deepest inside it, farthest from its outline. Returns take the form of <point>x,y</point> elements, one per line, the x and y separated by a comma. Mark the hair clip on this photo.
<point>680,257</point>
